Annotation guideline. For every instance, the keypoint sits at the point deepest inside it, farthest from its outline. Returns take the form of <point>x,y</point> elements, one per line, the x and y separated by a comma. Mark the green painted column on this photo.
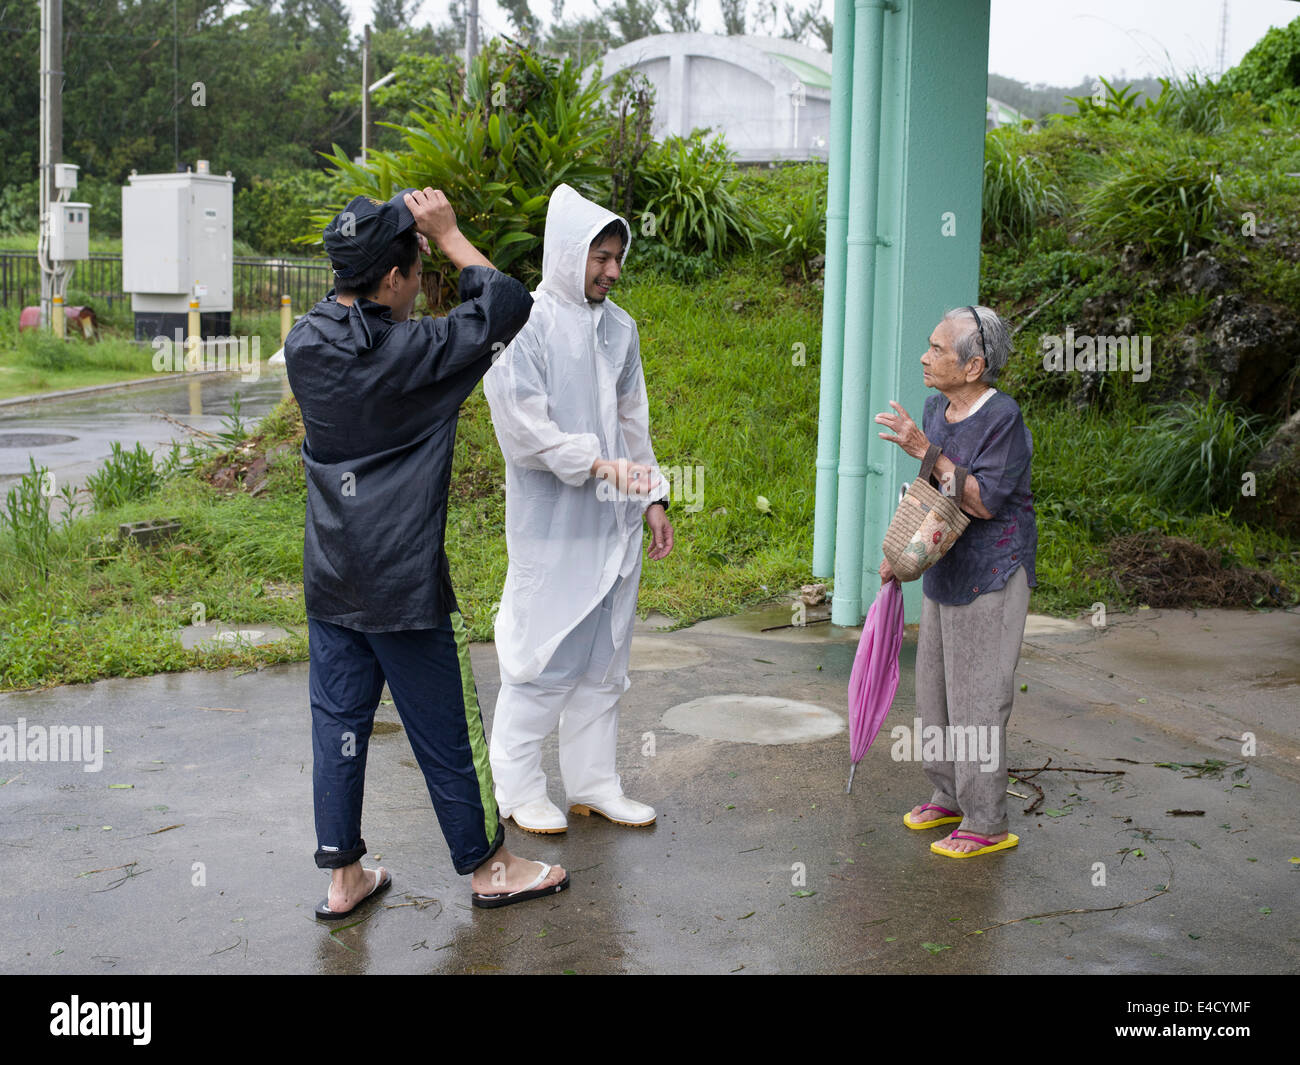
<point>832,364</point>
<point>865,163</point>
<point>915,172</point>
<point>935,82</point>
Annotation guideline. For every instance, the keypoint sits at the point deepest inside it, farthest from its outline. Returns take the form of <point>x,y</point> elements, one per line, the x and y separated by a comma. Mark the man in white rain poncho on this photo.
<point>569,406</point>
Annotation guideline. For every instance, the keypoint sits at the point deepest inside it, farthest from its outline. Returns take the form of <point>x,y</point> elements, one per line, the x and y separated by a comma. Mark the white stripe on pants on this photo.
<point>966,658</point>
<point>579,691</point>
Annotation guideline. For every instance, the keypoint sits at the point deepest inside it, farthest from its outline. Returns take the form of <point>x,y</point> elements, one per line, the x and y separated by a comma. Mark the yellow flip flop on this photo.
<point>950,818</point>
<point>988,845</point>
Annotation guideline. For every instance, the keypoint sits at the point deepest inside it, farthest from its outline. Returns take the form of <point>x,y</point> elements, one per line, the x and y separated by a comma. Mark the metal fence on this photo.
<point>259,283</point>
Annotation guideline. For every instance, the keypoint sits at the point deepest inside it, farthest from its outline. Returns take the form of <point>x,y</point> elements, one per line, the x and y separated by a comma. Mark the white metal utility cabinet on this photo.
<point>178,242</point>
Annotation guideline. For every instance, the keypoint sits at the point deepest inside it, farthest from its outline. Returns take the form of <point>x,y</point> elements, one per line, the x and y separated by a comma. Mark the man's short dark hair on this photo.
<point>614,229</point>
<point>403,251</point>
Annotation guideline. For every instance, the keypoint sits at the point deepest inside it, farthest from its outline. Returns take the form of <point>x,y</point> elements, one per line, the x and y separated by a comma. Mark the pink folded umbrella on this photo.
<point>874,679</point>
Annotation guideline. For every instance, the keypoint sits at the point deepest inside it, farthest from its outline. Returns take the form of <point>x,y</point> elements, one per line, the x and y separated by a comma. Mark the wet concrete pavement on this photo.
<point>73,435</point>
<point>759,863</point>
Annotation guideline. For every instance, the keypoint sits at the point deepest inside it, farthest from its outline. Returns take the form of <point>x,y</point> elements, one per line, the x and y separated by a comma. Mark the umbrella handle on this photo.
<point>852,769</point>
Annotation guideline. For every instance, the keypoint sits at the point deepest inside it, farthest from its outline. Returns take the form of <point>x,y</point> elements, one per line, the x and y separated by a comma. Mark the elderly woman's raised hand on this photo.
<point>906,433</point>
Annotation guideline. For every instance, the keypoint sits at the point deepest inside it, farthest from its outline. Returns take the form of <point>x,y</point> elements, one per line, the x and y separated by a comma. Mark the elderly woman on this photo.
<point>976,597</point>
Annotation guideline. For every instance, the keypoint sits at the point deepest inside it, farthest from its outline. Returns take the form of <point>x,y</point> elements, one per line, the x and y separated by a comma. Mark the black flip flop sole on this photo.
<point>324,913</point>
<point>491,902</point>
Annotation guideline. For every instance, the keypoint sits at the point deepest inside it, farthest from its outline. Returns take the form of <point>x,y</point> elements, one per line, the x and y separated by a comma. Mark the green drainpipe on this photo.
<point>837,220</point>
<point>859,288</point>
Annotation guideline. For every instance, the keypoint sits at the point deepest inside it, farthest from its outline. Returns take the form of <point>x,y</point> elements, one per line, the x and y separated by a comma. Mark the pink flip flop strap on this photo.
<point>931,806</point>
<point>974,839</point>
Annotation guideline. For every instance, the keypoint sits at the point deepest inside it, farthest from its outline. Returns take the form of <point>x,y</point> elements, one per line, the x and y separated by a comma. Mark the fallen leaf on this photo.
<point>804,894</point>
<point>934,948</point>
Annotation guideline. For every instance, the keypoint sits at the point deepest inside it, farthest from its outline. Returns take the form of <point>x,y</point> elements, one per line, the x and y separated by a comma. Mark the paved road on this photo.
<point>74,435</point>
<point>190,851</point>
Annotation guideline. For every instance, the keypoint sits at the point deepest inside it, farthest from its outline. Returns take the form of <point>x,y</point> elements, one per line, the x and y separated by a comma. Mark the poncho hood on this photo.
<point>572,223</point>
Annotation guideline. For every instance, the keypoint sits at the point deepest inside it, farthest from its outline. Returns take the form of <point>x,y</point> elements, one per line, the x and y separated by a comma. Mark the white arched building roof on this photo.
<point>770,97</point>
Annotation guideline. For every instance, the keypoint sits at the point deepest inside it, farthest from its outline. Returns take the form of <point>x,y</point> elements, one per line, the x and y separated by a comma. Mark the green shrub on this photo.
<point>45,351</point>
<point>125,476</point>
<point>271,213</point>
<point>19,212</point>
<point>687,187</point>
<point>1122,103</point>
<point>1192,454</point>
<point>26,518</point>
<point>1270,71</point>
<point>1167,203</point>
<point>794,237</point>
<point>1194,105</point>
<point>527,124</point>
<point>1017,194</point>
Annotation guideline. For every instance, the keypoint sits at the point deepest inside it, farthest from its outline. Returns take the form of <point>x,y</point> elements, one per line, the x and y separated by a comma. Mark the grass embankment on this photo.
<point>1099,474</point>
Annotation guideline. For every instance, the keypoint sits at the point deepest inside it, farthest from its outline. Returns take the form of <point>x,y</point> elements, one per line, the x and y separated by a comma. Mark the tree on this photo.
<point>633,18</point>
<point>526,25</point>
<point>391,14</point>
<point>733,17</point>
<point>582,40</point>
<point>801,25</point>
<point>681,15</point>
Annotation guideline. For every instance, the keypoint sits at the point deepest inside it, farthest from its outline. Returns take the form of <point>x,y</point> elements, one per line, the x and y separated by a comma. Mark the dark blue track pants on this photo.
<point>428,672</point>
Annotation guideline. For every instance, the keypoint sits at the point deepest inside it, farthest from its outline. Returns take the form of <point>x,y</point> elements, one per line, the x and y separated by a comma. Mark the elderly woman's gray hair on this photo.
<point>995,346</point>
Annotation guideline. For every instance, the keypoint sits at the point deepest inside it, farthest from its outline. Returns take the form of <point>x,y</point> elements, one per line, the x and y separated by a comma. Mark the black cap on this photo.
<point>360,234</point>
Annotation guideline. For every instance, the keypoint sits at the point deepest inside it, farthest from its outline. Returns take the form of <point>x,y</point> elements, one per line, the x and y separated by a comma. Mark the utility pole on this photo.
<point>365,94</point>
<point>176,99</point>
<point>471,34</point>
<point>53,276</point>
<point>1223,39</point>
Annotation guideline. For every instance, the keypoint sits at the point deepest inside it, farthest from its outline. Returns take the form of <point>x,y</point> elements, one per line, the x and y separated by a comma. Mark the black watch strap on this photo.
<point>662,502</point>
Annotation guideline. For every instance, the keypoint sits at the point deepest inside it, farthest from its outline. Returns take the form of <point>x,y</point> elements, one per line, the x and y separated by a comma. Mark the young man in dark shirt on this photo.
<point>380,395</point>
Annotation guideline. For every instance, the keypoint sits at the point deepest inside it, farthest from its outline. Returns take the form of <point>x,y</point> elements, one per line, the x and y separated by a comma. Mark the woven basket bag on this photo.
<point>926,524</point>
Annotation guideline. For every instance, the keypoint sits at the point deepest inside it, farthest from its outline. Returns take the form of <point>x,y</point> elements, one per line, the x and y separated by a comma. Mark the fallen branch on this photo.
<point>1164,890</point>
<point>1047,767</point>
<point>1062,913</point>
<point>185,425</point>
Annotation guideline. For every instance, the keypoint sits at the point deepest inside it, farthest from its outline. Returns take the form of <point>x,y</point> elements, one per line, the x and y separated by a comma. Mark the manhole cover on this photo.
<point>34,439</point>
<point>650,653</point>
<point>240,636</point>
<point>753,719</point>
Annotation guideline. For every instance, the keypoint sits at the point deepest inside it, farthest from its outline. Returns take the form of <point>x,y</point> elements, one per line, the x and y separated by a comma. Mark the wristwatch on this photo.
<point>661,502</point>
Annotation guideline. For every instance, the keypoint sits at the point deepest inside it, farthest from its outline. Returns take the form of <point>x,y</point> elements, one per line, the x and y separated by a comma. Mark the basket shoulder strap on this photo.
<point>959,484</point>
<point>927,464</point>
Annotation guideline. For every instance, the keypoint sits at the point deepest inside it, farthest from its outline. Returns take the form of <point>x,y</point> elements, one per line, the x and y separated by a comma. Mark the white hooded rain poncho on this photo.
<point>567,390</point>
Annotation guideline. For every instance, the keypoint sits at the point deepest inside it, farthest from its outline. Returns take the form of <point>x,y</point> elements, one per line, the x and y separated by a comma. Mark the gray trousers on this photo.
<point>966,658</point>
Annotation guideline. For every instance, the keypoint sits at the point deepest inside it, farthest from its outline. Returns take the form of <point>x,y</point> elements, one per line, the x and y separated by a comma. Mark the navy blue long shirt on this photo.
<point>996,446</point>
<point>380,402</point>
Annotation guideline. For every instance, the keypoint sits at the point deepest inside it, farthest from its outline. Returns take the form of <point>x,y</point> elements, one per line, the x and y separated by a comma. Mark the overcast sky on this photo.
<point>1055,42</point>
